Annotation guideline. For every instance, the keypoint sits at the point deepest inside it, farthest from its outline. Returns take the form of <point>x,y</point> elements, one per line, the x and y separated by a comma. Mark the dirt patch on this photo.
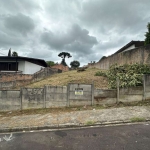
<point>71,109</point>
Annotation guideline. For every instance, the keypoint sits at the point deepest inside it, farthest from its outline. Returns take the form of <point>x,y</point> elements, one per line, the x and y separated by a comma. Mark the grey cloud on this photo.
<point>112,43</point>
<point>20,23</point>
<point>13,6</point>
<point>115,15</point>
<point>6,40</point>
<point>63,9</point>
<point>75,40</point>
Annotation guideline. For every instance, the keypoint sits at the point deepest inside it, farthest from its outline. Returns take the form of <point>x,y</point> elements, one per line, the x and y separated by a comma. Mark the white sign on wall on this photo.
<point>78,91</point>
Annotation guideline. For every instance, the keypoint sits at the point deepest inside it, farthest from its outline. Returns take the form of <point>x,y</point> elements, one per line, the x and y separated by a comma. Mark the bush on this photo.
<point>129,75</point>
<point>100,73</point>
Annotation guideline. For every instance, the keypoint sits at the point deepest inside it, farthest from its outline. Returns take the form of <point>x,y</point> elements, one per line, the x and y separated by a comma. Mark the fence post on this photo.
<point>92,88</point>
<point>68,89</point>
<point>21,99</point>
<point>117,90</point>
<point>44,103</point>
<point>144,88</point>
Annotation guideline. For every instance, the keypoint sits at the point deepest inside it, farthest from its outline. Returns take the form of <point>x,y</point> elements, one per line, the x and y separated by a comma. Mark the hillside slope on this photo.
<point>62,79</point>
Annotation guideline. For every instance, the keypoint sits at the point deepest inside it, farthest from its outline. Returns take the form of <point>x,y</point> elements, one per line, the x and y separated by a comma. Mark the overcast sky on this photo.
<point>87,29</point>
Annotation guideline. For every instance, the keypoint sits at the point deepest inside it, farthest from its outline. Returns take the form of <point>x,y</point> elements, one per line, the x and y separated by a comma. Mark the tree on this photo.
<point>75,64</point>
<point>50,63</point>
<point>63,55</point>
<point>147,35</point>
<point>9,53</point>
<point>14,54</point>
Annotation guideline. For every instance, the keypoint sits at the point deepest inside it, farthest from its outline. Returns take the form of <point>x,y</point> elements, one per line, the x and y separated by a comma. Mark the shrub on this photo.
<point>100,73</point>
<point>129,75</point>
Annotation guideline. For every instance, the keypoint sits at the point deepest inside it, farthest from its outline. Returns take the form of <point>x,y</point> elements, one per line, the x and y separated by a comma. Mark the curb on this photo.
<point>69,126</point>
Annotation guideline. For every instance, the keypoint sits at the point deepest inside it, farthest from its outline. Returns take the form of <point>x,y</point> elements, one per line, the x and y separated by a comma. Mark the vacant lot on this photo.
<point>62,79</point>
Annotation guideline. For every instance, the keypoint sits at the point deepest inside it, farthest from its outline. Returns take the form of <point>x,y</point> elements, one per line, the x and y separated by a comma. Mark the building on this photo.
<point>132,53</point>
<point>130,45</point>
<point>24,65</point>
<point>61,67</point>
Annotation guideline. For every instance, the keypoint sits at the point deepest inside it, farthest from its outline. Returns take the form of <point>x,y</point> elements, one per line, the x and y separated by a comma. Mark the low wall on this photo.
<point>147,86</point>
<point>43,73</point>
<point>131,94</point>
<point>6,77</point>
<point>62,96</point>
<point>80,94</point>
<point>32,98</point>
<point>56,96</point>
<point>9,81</point>
<point>10,100</point>
<point>105,96</point>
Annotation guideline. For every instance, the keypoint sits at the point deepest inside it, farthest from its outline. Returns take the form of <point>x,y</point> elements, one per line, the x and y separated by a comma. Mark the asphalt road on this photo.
<point>123,137</point>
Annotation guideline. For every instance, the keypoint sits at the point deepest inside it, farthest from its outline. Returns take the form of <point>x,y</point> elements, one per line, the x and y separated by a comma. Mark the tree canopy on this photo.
<point>63,55</point>
<point>147,35</point>
<point>75,64</point>
<point>50,63</point>
<point>14,54</point>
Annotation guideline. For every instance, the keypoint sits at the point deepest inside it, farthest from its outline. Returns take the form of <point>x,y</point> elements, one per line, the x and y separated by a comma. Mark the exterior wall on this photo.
<point>129,48</point>
<point>61,67</point>
<point>136,55</point>
<point>31,68</point>
<point>21,66</point>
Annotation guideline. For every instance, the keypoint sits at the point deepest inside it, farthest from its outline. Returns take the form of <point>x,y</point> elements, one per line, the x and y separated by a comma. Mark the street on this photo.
<point>121,137</point>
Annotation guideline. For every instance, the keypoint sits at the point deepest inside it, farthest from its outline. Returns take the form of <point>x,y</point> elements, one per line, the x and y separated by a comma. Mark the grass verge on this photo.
<point>137,119</point>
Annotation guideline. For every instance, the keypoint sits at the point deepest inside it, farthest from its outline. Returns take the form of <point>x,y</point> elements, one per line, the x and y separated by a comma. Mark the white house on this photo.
<point>24,65</point>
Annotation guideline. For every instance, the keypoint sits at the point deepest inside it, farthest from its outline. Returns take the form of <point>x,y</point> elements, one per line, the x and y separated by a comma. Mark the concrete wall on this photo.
<point>136,55</point>
<point>131,94</point>
<point>12,80</point>
<point>72,95</point>
<point>32,98</point>
<point>147,86</point>
<point>56,96</point>
<point>79,94</point>
<point>105,96</point>
<point>45,72</point>
<point>10,100</point>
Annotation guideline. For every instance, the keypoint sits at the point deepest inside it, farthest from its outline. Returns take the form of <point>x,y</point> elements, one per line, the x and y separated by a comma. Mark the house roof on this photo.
<point>40,62</point>
<point>136,43</point>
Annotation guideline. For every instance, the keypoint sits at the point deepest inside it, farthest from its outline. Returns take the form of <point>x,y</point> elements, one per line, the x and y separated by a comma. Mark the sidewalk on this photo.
<point>74,118</point>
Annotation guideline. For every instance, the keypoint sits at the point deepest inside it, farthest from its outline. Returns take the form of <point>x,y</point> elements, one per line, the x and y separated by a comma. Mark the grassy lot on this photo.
<point>62,79</point>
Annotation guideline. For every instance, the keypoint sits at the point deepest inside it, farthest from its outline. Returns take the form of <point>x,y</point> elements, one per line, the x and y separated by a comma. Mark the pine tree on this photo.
<point>63,55</point>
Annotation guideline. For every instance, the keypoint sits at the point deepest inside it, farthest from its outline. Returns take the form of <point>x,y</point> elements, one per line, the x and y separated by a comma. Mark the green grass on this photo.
<point>137,119</point>
<point>90,123</point>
